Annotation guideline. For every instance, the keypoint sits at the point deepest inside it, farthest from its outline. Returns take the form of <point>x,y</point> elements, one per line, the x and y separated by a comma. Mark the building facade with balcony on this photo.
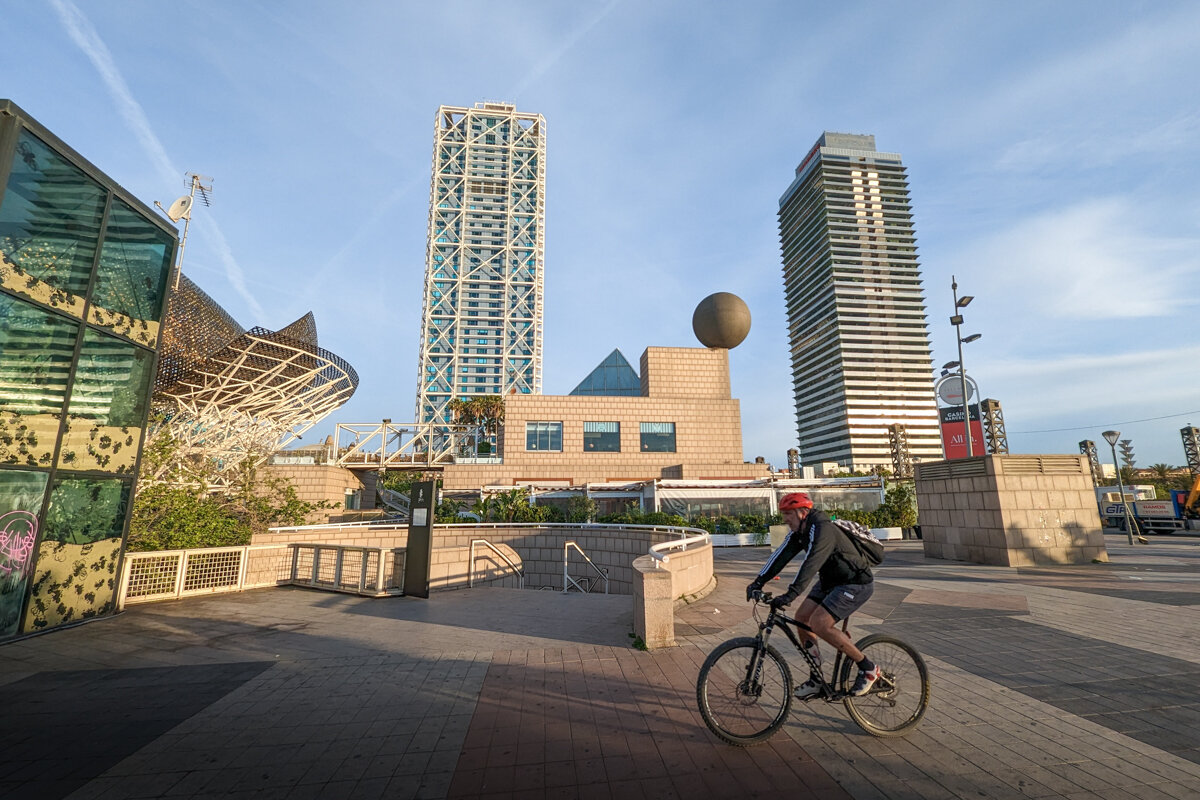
<point>481,330</point>
<point>859,341</point>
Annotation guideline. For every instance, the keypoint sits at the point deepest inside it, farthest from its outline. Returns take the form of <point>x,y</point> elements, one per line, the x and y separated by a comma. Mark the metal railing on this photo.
<point>660,558</point>
<point>367,571</point>
<point>492,547</point>
<point>568,581</point>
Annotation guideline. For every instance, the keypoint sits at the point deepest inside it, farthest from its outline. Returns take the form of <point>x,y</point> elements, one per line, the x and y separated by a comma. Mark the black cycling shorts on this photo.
<point>841,601</point>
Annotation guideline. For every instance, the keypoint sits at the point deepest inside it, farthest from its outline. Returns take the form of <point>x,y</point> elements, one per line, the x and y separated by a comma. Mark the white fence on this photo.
<point>172,574</point>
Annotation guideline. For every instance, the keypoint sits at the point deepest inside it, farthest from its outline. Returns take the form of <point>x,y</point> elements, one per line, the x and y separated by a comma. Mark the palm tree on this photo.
<point>1162,471</point>
<point>489,412</point>
<point>509,504</point>
<point>463,411</point>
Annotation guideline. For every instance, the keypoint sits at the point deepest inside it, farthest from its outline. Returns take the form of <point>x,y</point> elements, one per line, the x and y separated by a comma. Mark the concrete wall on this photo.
<point>659,588</point>
<point>1010,510</point>
<point>537,549</point>
<point>317,482</point>
<point>685,385</point>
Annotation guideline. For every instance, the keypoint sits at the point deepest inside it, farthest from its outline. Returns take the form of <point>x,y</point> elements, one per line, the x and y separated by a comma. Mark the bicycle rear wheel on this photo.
<point>744,691</point>
<point>899,699</point>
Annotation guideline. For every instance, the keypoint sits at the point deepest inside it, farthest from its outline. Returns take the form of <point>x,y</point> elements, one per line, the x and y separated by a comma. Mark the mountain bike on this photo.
<point>745,686</point>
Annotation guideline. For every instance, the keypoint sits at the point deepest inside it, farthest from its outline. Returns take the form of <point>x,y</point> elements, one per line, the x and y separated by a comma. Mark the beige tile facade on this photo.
<point>684,385</point>
<point>319,482</point>
<point>1010,510</point>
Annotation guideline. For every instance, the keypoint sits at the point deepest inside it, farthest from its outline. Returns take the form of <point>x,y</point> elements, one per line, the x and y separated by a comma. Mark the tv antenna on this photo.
<point>181,209</point>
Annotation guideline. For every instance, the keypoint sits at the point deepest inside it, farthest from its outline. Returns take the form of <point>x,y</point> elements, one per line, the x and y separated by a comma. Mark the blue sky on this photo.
<point>1052,150</point>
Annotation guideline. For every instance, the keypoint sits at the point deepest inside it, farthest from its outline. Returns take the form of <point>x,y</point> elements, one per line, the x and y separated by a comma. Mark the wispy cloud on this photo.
<point>1092,75</point>
<point>1100,147</point>
<point>1090,261</point>
<point>543,66</point>
<point>84,34</point>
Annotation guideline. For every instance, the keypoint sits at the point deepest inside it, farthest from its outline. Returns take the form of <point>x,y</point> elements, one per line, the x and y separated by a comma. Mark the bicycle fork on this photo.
<point>753,684</point>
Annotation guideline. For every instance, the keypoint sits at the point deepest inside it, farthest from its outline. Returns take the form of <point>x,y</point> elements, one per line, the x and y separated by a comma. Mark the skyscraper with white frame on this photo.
<point>856,313</point>
<point>481,332</point>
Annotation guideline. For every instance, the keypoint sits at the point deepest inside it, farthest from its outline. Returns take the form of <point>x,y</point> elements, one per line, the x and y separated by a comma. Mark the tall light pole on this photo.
<point>956,321</point>
<point>1111,437</point>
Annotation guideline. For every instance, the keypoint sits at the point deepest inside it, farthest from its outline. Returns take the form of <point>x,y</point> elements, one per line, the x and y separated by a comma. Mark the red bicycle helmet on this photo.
<point>795,500</point>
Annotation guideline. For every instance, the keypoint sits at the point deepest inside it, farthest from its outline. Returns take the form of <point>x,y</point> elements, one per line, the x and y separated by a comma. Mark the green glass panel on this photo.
<point>21,495</point>
<point>76,572</point>
<point>49,227</point>
<point>36,348</point>
<point>108,404</point>
<point>135,261</point>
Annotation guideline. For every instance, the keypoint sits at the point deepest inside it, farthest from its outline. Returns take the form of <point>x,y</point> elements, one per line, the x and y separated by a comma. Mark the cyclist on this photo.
<point>844,584</point>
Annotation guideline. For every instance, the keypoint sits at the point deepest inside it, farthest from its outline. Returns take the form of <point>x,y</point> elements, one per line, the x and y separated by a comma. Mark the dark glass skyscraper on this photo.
<point>856,313</point>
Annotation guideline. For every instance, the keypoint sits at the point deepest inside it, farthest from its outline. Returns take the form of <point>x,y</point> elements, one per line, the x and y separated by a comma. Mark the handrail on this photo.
<point>492,547</point>
<point>567,577</point>
<point>660,558</point>
<point>369,583</point>
<point>384,524</point>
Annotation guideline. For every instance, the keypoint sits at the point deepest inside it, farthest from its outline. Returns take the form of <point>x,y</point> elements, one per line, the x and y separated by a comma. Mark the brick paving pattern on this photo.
<point>1060,682</point>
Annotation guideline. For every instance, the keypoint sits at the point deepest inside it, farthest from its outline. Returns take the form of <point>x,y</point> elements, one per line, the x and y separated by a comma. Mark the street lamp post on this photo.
<point>956,321</point>
<point>1111,437</point>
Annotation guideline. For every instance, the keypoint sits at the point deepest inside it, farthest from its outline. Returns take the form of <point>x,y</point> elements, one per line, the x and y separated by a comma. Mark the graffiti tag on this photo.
<point>18,531</point>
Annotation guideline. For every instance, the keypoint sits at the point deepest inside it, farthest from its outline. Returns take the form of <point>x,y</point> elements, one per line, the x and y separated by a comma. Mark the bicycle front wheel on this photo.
<point>899,699</point>
<point>744,691</point>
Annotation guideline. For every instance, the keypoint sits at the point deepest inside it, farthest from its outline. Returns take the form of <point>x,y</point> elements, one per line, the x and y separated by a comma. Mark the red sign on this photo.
<point>953,442</point>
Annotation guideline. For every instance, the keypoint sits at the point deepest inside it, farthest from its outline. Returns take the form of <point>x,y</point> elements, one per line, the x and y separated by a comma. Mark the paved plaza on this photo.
<point>1074,682</point>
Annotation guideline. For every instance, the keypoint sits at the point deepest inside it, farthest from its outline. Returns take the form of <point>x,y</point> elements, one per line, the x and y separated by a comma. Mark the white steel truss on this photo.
<point>481,330</point>
<point>256,395</point>
<point>408,445</point>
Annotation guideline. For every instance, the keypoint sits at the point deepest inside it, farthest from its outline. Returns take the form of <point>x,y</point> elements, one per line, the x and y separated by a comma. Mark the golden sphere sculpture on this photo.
<point>721,320</point>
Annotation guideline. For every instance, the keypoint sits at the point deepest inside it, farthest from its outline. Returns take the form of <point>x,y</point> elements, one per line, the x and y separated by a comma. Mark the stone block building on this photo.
<point>684,424</point>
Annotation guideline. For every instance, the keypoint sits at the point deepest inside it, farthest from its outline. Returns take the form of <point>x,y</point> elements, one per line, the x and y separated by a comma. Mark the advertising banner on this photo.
<point>954,445</point>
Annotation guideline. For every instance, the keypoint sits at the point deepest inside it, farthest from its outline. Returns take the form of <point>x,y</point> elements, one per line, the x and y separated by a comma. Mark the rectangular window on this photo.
<point>602,437</point>
<point>658,437</point>
<point>543,436</point>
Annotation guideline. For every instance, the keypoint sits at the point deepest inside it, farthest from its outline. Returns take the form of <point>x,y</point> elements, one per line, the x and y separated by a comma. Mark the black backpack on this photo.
<point>870,548</point>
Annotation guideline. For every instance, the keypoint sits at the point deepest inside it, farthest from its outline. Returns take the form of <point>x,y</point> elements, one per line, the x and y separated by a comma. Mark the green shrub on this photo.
<point>727,525</point>
<point>752,523</point>
<point>581,508</point>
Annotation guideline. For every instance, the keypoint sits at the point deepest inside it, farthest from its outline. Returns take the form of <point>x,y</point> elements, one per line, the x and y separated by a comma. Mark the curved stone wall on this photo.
<point>538,550</point>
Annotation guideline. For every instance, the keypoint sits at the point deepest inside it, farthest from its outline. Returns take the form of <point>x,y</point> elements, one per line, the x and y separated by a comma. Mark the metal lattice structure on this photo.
<point>408,446</point>
<point>902,463</point>
<point>994,436</point>
<point>226,394</point>
<point>1191,448</point>
<point>1088,448</point>
<point>481,331</point>
<point>1127,457</point>
<point>793,466</point>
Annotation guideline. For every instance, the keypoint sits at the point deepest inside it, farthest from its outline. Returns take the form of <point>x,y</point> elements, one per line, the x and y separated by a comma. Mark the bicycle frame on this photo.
<point>776,619</point>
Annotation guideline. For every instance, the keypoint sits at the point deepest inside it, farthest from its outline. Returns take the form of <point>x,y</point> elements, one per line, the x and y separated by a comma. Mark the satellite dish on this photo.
<point>180,208</point>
